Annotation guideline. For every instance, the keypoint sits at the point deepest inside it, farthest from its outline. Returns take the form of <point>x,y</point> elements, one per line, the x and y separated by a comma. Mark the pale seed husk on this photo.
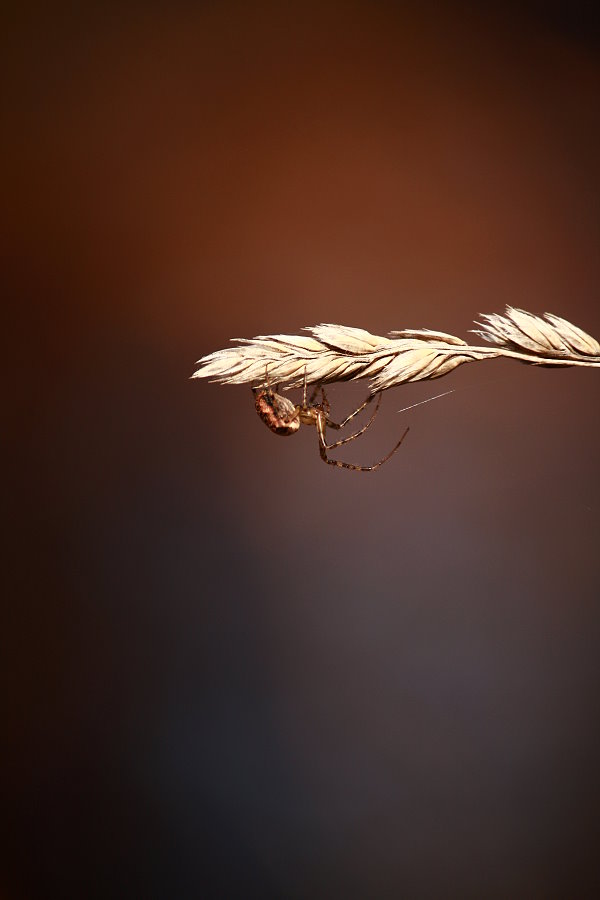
<point>343,353</point>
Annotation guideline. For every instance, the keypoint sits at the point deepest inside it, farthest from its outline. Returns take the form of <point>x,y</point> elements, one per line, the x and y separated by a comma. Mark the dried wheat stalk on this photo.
<point>342,353</point>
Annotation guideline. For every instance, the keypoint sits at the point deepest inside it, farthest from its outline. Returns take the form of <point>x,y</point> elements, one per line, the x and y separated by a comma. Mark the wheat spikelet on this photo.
<point>342,353</point>
<point>551,336</point>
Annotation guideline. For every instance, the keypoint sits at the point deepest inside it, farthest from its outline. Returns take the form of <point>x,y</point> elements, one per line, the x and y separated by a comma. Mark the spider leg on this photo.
<point>312,396</point>
<point>344,465</point>
<point>325,403</point>
<point>358,433</point>
<point>314,393</point>
<point>268,382</point>
<point>369,399</point>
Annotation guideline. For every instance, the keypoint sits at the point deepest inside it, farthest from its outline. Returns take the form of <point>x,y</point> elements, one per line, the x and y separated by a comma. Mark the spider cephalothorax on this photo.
<point>284,418</point>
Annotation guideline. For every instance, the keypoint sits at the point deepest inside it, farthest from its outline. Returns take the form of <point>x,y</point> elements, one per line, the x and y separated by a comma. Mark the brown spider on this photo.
<point>284,417</point>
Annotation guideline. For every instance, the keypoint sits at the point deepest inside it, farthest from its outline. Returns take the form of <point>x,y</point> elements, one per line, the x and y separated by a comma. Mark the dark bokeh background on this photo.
<point>231,671</point>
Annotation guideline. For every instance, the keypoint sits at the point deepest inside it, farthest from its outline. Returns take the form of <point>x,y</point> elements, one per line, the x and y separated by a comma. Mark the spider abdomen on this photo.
<point>277,412</point>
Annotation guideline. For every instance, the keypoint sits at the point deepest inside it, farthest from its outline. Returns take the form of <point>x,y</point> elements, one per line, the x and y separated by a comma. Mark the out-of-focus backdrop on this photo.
<point>232,671</point>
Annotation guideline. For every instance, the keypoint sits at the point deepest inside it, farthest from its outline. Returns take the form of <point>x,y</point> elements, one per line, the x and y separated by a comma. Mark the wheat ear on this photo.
<point>342,353</point>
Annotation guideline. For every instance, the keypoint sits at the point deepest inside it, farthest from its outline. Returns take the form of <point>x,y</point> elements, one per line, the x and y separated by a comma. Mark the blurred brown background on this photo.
<point>232,671</point>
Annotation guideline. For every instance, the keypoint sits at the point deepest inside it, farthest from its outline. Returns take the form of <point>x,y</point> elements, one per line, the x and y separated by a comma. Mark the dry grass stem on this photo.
<point>342,353</point>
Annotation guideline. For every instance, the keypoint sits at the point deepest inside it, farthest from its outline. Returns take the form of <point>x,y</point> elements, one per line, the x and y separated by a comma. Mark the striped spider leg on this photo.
<point>284,418</point>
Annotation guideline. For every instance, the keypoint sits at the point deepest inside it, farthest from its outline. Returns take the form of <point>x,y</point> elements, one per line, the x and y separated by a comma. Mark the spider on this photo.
<point>284,417</point>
